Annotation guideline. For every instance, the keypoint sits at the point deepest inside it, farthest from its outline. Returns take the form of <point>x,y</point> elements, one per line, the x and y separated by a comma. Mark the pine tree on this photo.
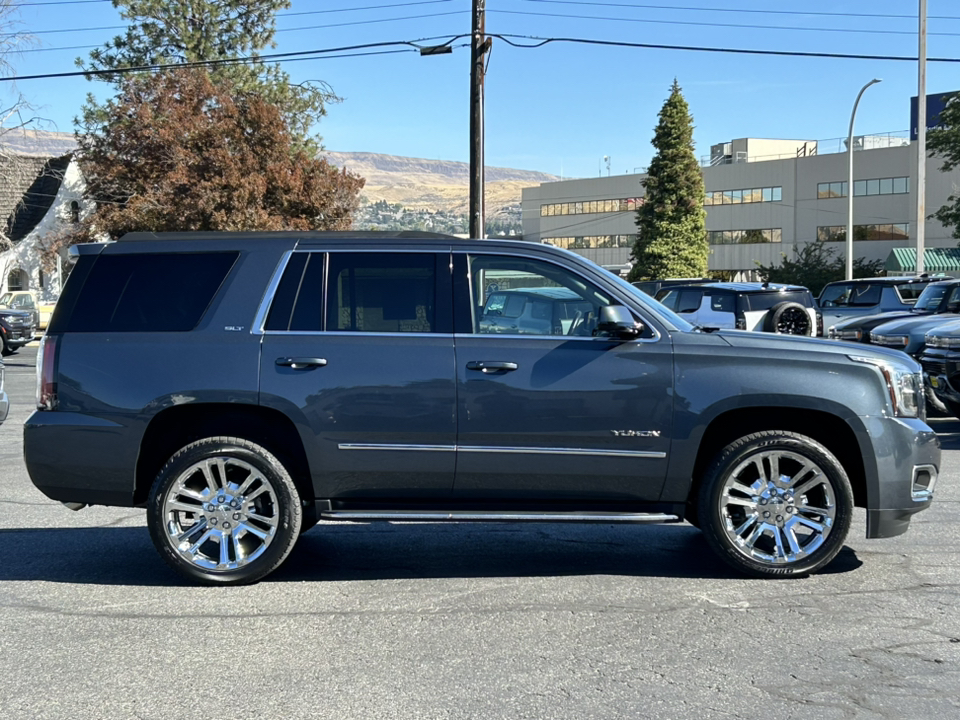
<point>182,31</point>
<point>671,223</point>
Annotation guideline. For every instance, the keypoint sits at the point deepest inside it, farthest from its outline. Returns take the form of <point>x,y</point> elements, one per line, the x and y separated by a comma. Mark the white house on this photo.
<point>39,196</point>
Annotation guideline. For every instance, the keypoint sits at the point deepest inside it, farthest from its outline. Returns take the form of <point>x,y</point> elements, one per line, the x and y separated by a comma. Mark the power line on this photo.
<point>717,25</point>
<point>309,27</point>
<point>305,27</point>
<point>251,59</point>
<point>60,2</point>
<point>541,41</point>
<point>744,10</point>
<point>308,12</point>
<point>506,37</point>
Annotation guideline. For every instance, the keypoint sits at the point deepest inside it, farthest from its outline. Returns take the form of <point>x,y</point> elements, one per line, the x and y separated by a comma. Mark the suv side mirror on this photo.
<point>617,321</point>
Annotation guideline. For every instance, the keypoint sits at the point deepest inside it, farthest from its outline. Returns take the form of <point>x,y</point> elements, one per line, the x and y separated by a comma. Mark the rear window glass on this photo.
<point>765,301</point>
<point>149,292</point>
<point>909,292</point>
<point>689,300</point>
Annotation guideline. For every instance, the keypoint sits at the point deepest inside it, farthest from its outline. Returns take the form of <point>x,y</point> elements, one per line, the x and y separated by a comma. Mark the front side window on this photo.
<point>836,295</point>
<point>521,296</point>
<point>865,295</point>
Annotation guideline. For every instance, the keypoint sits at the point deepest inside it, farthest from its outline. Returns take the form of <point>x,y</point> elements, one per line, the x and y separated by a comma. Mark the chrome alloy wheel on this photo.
<point>777,507</point>
<point>220,514</point>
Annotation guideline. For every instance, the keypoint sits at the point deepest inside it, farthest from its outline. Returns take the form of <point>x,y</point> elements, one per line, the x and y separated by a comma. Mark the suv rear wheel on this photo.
<point>776,503</point>
<point>224,511</point>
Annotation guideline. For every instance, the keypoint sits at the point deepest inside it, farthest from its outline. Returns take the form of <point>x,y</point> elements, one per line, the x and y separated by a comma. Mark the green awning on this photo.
<point>935,260</point>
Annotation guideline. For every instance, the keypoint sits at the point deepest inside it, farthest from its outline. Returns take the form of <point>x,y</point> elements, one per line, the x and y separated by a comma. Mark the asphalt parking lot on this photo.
<point>468,621</point>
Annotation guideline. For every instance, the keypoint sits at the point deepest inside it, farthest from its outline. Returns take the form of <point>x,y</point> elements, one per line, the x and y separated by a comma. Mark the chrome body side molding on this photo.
<point>505,450</point>
<point>495,516</point>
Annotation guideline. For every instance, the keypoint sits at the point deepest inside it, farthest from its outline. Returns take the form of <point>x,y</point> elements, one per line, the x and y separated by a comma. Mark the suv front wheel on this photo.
<point>776,504</point>
<point>224,511</point>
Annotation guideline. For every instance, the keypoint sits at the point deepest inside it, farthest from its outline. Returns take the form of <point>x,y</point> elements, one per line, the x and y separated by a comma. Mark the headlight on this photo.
<point>904,385</point>
<point>896,341</point>
<point>941,341</point>
<point>847,334</point>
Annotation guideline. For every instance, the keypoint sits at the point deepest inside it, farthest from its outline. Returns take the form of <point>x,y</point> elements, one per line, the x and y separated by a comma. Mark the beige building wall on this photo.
<point>798,214</point>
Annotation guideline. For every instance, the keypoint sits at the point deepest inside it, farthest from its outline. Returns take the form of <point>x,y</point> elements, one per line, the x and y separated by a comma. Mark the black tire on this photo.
<point>776,537</point>
<point>248,527</point>
<point>788,318</point>
<point>6,351</point>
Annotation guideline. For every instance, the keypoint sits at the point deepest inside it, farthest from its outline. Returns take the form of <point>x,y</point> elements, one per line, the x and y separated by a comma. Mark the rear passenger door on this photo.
<point>358,351</point>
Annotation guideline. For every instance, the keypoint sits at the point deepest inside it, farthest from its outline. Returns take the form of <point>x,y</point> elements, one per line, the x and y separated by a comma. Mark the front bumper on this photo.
<point>906,453</point>
<point>17,337</point>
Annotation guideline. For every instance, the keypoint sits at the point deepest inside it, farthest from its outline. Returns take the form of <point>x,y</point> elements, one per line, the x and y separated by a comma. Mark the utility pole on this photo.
<point>478,50</point>
<point>922,137</point>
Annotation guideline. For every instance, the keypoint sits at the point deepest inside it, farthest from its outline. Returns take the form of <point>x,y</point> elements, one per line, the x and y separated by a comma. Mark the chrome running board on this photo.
<point>496,516</point>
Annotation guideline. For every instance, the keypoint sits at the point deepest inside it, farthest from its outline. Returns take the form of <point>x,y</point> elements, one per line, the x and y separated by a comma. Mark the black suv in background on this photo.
<point>17,328</point>
<point>353,376</point>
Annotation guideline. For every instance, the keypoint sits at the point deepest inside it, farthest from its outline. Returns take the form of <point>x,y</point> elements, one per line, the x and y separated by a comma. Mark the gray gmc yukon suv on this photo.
<point>241,387</point>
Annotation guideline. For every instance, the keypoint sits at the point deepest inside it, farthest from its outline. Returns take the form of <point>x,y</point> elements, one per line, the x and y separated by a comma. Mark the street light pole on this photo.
<point>853,116</point>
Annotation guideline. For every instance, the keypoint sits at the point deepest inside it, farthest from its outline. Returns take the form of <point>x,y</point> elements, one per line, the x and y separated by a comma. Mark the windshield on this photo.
<point>5,299</point>
<point>655,307</point>
<point>929,299</point>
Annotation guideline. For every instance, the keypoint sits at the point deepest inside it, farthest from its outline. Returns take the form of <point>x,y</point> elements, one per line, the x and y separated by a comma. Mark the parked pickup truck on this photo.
<point>295,377</point>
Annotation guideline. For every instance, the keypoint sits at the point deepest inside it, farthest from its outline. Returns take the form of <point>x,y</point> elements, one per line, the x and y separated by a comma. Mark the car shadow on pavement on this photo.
<point>382,551</point>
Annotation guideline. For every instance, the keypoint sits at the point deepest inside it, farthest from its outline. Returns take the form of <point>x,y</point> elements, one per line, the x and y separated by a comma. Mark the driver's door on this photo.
<point>553,413</point>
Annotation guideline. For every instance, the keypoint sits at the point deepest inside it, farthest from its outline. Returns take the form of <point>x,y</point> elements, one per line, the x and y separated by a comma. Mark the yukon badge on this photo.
<point>636,433</point>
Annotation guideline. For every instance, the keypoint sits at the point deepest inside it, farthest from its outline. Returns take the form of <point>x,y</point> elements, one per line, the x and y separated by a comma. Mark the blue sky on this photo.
<point>562,107</point>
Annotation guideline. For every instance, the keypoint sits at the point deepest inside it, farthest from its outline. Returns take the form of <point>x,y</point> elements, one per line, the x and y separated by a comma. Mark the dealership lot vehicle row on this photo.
<point>463,620</point>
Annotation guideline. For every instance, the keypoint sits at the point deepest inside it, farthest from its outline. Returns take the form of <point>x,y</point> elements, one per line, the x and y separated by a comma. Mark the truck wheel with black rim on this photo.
<point>776,504</point>
<point>224,511</point>
<point>788,318</point>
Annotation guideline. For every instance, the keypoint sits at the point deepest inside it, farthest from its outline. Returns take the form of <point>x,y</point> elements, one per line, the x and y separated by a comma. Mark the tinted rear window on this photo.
<point>909,292</point>
<point>152,292</point>
<point>765,301</point>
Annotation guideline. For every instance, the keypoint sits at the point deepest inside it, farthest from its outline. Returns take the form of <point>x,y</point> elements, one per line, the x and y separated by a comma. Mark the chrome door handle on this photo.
<point>491,366</point>
<point>301,363</point>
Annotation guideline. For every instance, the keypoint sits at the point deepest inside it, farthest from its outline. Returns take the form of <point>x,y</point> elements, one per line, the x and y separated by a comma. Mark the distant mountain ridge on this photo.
<point>381,169</point>
<point>420,184</point>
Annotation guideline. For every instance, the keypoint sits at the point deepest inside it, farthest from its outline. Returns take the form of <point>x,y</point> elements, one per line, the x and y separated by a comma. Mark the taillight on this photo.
<point>46,374</point>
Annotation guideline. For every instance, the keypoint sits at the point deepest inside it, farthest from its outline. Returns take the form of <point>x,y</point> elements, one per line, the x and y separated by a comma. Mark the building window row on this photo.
<point>732,237</point>
<point>880,186</point>
<point>590,206</point>
<point>591,241</point>
<point>738,197</point>
<point>885,231</point>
